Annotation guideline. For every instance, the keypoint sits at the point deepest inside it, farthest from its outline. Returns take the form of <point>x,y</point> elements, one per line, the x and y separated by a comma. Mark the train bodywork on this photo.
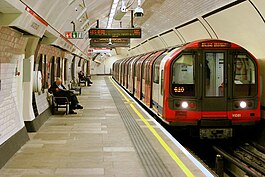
<point>212,85</point>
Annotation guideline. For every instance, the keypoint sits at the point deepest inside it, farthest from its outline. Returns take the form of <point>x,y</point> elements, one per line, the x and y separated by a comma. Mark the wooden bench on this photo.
<point>60,102</point>
<point>82,81</point>
<point>75,89</point>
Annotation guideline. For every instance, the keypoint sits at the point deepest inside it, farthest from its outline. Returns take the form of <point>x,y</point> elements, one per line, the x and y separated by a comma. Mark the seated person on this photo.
<point>82,77</point>
<point>59,90</point>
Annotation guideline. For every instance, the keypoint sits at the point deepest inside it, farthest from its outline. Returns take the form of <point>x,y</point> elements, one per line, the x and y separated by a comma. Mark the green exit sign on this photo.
<point>74,34</point>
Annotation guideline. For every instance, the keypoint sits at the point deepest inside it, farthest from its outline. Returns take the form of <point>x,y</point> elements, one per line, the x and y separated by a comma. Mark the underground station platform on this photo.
<point>111,137</point>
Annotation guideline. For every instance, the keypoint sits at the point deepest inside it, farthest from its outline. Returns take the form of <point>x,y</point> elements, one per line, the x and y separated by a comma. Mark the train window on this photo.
<point>156,68</point>
<point>182,76</point>
<point>214,74</point>
<point>244,76</point>
<point>143,72</point>
<point>138,66</point>
<point>130,70</point>
<point>148,74</point>
<point>182,70</point>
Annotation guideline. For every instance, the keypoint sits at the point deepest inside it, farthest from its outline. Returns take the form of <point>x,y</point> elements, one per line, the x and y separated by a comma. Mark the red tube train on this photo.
<point>210,86</point>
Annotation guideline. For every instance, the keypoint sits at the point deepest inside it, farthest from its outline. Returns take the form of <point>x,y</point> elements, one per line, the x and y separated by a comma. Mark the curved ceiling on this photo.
<point>159,15</point>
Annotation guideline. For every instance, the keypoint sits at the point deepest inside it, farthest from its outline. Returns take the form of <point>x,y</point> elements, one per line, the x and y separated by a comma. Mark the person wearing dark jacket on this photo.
<point>58,90</point>
<point>82,76</point>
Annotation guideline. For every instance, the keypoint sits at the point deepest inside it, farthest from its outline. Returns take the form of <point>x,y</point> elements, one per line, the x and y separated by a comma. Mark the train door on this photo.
<point>214,81</point>
<point>157,88</point>
<point>149,75</point>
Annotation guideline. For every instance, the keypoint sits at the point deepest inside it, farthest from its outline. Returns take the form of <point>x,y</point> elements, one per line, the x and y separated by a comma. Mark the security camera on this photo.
<point>123,9</point>
<point>138,12</point>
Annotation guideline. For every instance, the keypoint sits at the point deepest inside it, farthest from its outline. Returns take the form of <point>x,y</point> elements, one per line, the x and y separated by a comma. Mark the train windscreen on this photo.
<point>183,76</point>
<point>244,77</point>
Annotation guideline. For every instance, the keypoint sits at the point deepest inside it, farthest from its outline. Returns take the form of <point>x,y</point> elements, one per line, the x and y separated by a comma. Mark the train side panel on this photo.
<point>158,82</point>
<point>147,85</point>
<point>139,73</point>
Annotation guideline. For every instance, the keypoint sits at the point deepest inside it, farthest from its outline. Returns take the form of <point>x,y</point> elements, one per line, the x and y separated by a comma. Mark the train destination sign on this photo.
<point>211,44</point>
<point>114,42</point>
<point>115,33</point>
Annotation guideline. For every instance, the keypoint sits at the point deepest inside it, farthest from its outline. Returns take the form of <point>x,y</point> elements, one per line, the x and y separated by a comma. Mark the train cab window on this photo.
<point>182,76</point>
<point>244,76</point>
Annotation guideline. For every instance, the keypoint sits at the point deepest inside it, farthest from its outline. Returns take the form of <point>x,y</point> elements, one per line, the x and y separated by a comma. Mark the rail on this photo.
<point>236,162</point>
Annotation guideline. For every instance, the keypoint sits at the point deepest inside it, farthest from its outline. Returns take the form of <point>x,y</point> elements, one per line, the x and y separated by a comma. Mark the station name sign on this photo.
<point>115,33</point>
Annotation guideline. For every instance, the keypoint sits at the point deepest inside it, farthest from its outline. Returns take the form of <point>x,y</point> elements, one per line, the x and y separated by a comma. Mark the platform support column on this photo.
<point>28,64</point>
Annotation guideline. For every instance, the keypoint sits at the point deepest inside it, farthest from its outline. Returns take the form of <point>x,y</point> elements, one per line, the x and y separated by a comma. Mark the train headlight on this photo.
<point>184,104</point>
<point>243,104</point>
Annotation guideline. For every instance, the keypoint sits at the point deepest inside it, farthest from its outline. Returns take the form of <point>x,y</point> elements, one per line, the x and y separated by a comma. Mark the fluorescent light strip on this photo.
<point>84,24</point>
<point>81,13</point>
<point>112,12</point>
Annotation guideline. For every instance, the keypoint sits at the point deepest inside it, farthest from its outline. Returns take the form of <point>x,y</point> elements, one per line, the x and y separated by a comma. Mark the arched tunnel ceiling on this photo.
<point>159,16</point>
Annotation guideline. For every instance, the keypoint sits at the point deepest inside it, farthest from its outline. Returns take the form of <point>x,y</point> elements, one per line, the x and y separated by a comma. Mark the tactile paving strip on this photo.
<point>151,161</point>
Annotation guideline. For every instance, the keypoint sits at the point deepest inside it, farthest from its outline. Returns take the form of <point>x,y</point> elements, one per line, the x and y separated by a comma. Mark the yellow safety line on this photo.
<point>159,138</point>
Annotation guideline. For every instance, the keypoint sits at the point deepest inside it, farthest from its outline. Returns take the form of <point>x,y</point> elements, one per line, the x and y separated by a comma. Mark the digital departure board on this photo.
<point>115,33</point>
<point>106,42</point>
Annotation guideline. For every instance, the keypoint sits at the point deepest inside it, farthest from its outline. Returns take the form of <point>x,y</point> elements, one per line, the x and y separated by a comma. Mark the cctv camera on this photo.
<point>138,12</point>
<point>110,43</point>
<point>123,9</point>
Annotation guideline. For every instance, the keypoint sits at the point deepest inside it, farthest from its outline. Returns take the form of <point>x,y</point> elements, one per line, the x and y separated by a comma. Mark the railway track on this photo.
<point>244,160</point>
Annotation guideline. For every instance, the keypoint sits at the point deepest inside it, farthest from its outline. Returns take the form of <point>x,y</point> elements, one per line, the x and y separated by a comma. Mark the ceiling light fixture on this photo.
<point>112,12</point>
<point>85,23</point>
<point>70,2</point>
<point>81,13</point>
<point>121,11</point>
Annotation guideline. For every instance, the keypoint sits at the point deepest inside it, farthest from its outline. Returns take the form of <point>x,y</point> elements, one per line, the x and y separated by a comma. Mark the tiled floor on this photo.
<point>96,143</point>
<point>93,142</point>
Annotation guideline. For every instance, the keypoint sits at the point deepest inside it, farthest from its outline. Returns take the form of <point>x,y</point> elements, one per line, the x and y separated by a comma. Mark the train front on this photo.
<point>212,86</point>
